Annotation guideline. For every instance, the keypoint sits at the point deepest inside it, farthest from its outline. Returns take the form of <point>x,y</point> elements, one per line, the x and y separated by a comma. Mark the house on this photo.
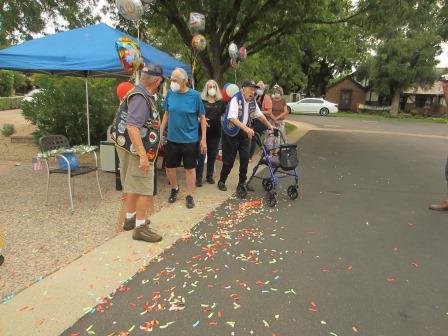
<point>425,101</point>
<point>347,93</point>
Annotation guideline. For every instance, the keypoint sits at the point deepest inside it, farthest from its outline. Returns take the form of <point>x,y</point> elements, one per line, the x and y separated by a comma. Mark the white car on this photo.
<point>313,105</point>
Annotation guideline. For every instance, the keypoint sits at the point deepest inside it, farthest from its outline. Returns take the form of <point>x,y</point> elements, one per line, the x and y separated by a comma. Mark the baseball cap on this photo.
<point>249,83</point>
<point>153,69</point>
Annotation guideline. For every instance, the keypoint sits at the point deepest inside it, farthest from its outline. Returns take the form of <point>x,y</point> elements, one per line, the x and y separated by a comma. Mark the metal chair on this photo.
<point>51,142</point>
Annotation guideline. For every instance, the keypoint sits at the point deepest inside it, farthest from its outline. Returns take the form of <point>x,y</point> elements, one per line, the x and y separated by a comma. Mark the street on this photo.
<point>358,253</point>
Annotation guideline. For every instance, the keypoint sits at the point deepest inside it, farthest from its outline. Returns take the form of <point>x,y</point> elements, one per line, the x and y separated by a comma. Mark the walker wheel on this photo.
<point>267,184</point>
<point>292,192</point>
<point>241,191</point>
<point>271,199</point>
<point>2,259</point>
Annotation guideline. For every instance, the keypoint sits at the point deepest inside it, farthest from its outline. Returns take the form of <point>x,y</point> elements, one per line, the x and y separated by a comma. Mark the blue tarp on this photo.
<point>88,51</point>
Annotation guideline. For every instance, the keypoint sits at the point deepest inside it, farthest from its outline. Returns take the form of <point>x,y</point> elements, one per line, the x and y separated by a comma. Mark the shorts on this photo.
<point>133,179</point>
<point>175,153</point>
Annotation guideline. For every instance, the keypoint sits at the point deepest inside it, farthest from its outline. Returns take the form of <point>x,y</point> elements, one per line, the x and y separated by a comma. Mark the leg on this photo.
<point>212,152</point>
<point>200,166</point>
<point>229,149</point>
<point>172,177</point>
<point>244,158</point>
<point>173,158</point>
<point>190,176</point>
<point>141,206</point>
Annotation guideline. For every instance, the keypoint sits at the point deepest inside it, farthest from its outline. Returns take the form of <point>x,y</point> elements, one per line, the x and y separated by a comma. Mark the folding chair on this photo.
<point>52,142</point>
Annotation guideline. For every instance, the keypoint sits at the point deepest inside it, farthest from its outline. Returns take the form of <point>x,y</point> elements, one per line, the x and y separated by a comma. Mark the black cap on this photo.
<point>153,69</point>
<point>249,83</point>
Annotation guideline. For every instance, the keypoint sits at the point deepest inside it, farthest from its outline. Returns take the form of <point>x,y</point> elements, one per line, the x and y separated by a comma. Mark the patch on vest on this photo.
<point>121,140</point>
<point>153,137</point>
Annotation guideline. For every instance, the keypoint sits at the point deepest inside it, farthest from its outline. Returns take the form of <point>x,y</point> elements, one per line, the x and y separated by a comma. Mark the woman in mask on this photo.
<point>214,110</point>
<point>279,112</point>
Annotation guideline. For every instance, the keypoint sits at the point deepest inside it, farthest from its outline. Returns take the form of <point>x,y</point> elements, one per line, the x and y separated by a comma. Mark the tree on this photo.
<point>20,19</point>
<point>254,24</point>
<point>406,41</point>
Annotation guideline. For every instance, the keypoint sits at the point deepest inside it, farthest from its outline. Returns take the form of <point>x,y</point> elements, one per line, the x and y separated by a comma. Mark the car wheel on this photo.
<point>289,110</point>
<point>324,111</point>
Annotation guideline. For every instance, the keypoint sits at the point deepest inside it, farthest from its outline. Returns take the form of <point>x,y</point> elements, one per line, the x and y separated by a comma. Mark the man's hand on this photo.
<point>203,146</point>
<point>144,163</point>
<point>250,132</point>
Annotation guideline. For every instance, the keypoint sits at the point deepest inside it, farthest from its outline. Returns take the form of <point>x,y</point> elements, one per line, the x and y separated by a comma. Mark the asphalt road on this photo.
<point>358,254</point>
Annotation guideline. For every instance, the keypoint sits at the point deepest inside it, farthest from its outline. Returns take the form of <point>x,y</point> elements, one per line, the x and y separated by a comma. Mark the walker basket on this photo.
<point>288,157</point>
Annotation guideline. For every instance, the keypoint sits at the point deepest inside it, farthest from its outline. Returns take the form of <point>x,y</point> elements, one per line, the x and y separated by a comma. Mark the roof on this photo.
<point>87,51</point>
<point>350,78</point>
<point>435,90</point>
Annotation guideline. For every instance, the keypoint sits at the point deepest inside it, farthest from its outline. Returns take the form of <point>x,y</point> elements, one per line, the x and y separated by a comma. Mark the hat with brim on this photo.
<point>249,83</point>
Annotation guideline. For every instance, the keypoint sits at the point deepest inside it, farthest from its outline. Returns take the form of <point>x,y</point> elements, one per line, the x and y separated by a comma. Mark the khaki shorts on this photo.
<point>133,179</point>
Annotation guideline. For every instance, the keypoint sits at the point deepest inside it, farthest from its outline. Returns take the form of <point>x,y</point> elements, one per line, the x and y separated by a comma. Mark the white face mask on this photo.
<point>175,86</point>
<point>276,95</point>
<point>211,92</point>
<point>259,92</point>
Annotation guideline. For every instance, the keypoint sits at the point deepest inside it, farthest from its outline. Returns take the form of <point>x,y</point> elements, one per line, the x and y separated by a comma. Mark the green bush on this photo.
<point>61,107</point>
<point>6,83</point>
<point>21,83</point>
<point>8,130</point>
<point>10,103</point>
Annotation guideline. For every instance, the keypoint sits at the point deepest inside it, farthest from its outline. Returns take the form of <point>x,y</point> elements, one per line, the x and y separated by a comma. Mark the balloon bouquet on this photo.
<point>198,42</point>
<point>237,56</point>
<point>128,50</point>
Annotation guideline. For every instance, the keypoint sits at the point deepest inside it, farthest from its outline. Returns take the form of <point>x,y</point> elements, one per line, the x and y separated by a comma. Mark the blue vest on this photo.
<point>228,127</point>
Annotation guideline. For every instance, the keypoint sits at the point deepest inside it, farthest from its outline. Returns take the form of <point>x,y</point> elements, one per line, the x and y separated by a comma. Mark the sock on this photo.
<point>130,215</point>
<point>139,222</point>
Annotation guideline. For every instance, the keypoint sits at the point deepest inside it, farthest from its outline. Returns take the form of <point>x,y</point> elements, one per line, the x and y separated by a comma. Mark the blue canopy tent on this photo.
<point>86,52</point>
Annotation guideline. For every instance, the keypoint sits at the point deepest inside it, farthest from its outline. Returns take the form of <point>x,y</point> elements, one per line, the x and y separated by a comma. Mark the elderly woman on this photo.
<point>279,113</point>
<point>214,110</point>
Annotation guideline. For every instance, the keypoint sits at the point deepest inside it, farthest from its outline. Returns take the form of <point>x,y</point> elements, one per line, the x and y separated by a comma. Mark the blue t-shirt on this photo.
<point>184,110</point>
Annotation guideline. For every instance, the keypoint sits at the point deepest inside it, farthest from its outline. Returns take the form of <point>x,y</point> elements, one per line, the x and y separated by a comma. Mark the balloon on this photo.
<point>226,85</point>
<point>233,51</point>
<point>123,88</point>
<point>129,54</point>
<point>232,89</point>
<point>130,9</point>
<point>199,42</point>
<point>197,22</point>
<point>243,54</point>
<point>224,95</point>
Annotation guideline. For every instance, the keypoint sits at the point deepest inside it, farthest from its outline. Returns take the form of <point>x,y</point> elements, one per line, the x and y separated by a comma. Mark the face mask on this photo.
<point>275,95</point>
<point>211,92</point>
<point>259,92</point>
<point>174,86</point>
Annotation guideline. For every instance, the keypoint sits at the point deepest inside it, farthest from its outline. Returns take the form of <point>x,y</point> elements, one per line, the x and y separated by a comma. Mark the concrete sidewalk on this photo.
<point>55,303</point>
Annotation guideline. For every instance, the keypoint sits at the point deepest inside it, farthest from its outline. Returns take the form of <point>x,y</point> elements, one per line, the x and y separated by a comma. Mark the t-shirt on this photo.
<point>138,110</point>
<point>214,112</point>
<point>278,106</point>
<point>184,109</point>
<point>233,111</point>
<point>264,102</point>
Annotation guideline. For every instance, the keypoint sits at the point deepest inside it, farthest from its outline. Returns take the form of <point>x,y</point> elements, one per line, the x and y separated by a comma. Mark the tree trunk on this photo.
<point>395,102</point>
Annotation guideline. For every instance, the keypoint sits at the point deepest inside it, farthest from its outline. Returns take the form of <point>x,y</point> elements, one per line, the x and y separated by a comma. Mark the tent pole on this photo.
<point>87,112</point>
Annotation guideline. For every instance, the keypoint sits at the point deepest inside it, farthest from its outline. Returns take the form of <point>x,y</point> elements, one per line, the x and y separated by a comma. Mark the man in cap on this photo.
<point>137,138</point>
<point>237,134</point>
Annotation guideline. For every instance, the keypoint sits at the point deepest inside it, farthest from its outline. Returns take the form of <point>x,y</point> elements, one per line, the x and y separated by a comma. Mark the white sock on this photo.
<point>140,222</point>
<point>129,215</point>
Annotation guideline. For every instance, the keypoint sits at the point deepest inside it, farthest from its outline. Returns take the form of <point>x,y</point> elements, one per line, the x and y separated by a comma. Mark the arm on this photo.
<point>203,141</point>
<point>163,124</point>
<point>244,128</point>
<point>284,114</point>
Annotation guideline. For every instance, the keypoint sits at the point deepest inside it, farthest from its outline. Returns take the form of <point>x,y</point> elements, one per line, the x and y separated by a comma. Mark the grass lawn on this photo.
<point>383,116</point>
<point>289,127</point>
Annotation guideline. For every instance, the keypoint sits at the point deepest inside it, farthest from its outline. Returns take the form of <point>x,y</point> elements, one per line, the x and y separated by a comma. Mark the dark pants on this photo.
<point>212,152</point>
<point>253,145</point>
<point>230,146</point>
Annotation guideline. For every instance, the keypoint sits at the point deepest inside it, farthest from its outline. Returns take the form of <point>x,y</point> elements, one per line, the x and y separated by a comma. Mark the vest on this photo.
<point>228,127</point>
<point>150,131</point>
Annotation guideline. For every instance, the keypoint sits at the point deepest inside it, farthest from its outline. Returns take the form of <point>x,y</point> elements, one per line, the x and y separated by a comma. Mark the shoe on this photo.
<point>190,202</point>
<point>145,233</point>
<point>129,224</point>
<point>440,207</point>
<point>222,186</point>
<point>249,187</point>
<point>198,183</point>
<point>173,195</point>
<point>2,259</point>
<point>210,180</point>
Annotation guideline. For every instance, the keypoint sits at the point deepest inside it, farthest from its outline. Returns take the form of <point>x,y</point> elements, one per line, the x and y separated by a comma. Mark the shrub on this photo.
<point>6,83</point>
<point>61,107</point>
<point>8,130</point>
<point>10,103</point>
